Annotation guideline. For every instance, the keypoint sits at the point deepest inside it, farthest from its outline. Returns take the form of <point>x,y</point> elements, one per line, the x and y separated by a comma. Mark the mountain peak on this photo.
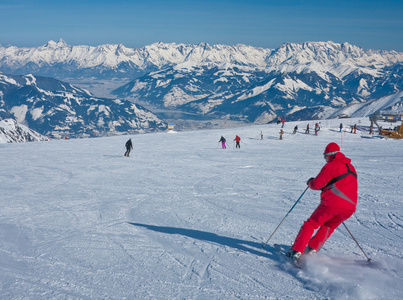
<point>53,45</point>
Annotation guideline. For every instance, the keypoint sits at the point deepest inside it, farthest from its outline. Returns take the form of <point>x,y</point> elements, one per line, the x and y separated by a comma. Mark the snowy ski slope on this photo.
<point>184,219</point>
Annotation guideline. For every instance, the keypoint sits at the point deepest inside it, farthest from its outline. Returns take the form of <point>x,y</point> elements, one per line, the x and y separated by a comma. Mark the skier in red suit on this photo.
<point>237,140</point>
<point>338,182</point>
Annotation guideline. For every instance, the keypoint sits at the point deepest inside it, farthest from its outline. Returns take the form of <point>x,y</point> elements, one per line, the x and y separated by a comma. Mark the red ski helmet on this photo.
<point>331,149</point>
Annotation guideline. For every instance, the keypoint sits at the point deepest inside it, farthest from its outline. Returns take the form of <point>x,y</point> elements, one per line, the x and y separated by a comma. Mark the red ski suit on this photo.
<point>338,202</point>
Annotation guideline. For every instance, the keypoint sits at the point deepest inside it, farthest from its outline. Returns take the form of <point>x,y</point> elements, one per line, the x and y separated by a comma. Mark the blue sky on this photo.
<point>260,23</point>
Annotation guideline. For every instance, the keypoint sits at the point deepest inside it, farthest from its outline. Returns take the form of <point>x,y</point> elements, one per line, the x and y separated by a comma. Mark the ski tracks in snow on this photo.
<point>204,263</point>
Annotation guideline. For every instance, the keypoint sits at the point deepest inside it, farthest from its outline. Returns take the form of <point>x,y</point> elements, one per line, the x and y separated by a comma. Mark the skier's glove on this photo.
<point>309,180</point>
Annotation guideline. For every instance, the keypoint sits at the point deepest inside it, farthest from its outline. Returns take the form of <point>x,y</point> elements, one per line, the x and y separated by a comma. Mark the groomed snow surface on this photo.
<point>184,219</point>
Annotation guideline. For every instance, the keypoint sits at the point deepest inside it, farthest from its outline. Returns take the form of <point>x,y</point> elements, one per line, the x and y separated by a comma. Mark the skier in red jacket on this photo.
<point>338,182</point>
<point>237,140</point>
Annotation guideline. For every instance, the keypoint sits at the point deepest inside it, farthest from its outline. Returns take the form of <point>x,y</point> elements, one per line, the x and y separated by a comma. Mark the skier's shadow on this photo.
<point>270,137</point>
<point>243,245</point>
<point>111,155</point>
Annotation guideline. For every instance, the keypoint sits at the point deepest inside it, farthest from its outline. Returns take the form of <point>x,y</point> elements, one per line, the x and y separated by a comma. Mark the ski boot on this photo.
<point>310,251</point>
<point>294,255</point>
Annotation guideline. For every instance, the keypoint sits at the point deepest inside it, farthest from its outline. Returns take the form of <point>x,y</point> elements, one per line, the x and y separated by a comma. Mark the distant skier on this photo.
<point>338,182</point>
<point>261,134</point>
<point>341,126</point>
<point>316,128</point>
<point>295,129</point>
<point>222,141</point>
<point>281,134</point>
<point>129,146</point>
<point>278,120</point>
<point>237,140</point>
<point>282,123</point>
<point>307,129</point>
<point>355,128</point>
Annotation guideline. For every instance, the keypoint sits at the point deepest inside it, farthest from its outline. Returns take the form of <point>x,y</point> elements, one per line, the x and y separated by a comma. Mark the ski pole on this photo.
<point>121,152</point>
<point>285,217</point>
<point>368,259</point>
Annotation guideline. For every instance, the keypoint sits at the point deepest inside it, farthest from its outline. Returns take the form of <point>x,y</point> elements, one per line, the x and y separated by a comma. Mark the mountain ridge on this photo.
<point>123,61</point>
<point>54,108</point>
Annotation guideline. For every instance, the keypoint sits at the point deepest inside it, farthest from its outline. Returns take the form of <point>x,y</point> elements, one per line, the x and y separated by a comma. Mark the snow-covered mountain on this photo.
<point>392,104</point>
<point>56,108</point>
<point>239,82</point>
<point>240,92</point>
<point>299,81</point>
<point>13,132</point>
<point>58,59</point>
<point>61,60</point>
<point>256,95</point>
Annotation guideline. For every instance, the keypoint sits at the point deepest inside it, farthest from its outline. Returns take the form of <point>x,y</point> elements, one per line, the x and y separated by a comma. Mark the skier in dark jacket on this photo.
<point>129,146</point>
<point>222,141</point>
<point>338,182</point>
